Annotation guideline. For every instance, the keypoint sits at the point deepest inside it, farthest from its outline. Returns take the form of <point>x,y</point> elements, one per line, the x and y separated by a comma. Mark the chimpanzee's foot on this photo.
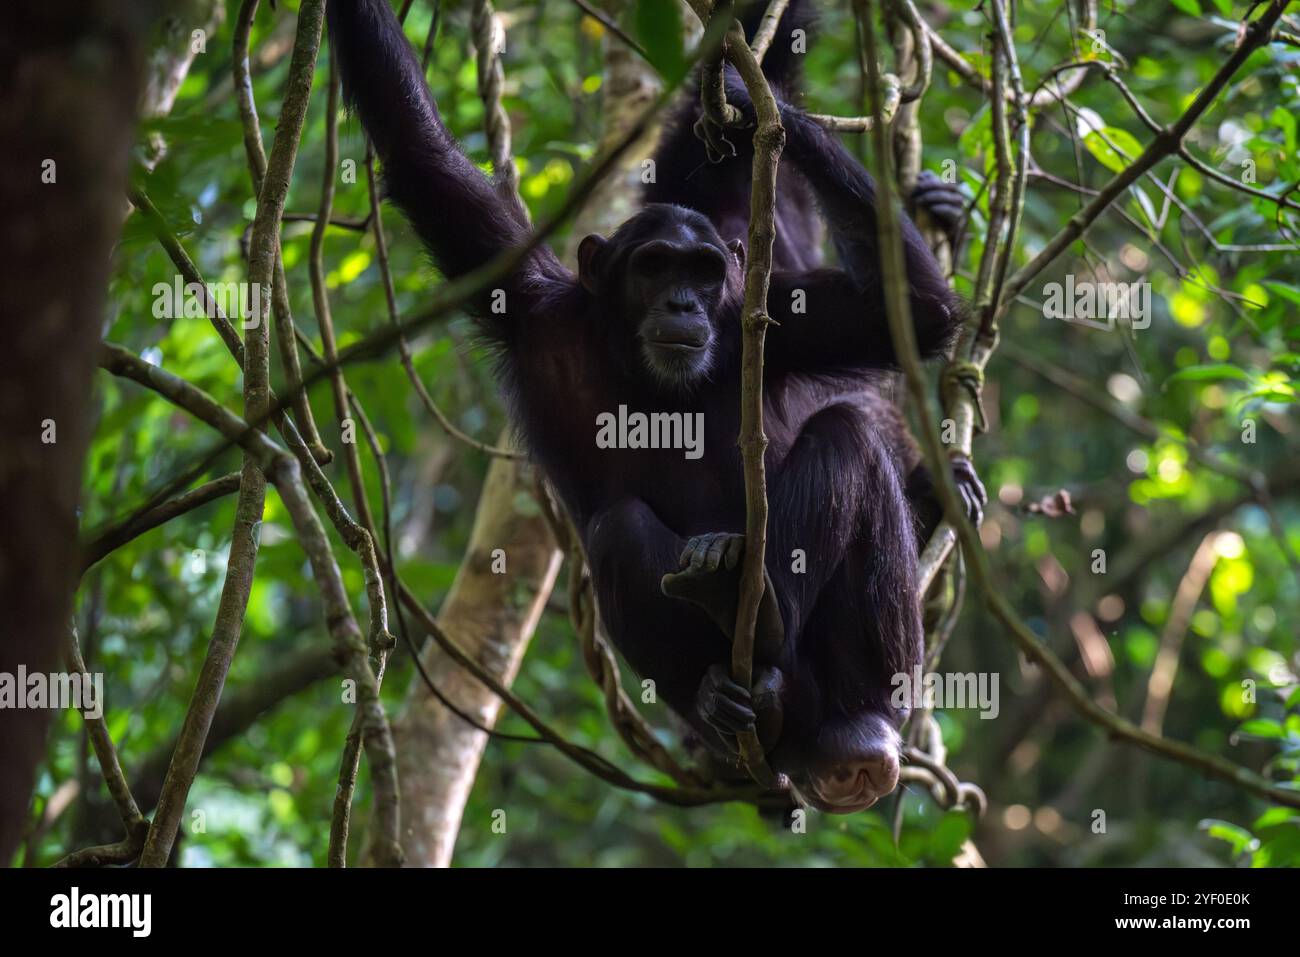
<point>943,201</point>
<point>970,488</point>
<point>728,708</point>
<point>709,576</point>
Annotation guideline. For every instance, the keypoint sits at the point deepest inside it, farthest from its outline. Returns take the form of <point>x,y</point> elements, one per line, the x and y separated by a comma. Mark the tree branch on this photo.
<point>977,561</point>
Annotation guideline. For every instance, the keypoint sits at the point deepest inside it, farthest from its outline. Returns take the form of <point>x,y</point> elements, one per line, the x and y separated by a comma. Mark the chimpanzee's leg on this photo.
<point>836,492</point>
<point>671,643</point>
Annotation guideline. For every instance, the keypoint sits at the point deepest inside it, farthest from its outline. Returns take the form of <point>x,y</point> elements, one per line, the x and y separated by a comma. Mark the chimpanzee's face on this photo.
<point>673,290</point>
<point>665,274</point>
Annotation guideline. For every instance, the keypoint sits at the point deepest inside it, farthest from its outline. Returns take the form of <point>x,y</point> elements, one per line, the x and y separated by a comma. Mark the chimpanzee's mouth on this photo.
<point>686,346</point>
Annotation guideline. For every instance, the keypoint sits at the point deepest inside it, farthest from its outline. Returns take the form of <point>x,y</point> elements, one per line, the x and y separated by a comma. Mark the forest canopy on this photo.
<point>1128,613</point>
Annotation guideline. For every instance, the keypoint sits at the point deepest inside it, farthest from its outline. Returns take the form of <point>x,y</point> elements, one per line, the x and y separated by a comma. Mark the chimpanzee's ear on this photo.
<point>738,250</point>
<point>589,251</point>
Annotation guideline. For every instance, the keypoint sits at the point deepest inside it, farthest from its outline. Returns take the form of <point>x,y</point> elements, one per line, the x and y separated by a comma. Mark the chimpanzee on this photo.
<point>647,334</point>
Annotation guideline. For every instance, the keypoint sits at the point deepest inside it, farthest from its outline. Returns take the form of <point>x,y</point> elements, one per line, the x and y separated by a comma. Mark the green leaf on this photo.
<point>1148,209</point>
<point>1275,816</point>
<point>1190,7</point>
<point>1286,291</point>
<point>1208,373</point>
<point>1112,147</point>
<point>1286,120</point>
<point>1238,837</point>
<point>978,134</point>
<point>946,838</point>
<point>659,28</point>
<point>1262,728</point>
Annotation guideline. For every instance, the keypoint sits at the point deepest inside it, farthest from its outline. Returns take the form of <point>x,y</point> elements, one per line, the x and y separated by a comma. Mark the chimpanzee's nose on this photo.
<point>681,301</point>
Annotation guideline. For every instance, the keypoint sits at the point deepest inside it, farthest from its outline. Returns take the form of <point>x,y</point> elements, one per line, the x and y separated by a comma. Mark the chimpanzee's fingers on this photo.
<point>715,551</point>
<point>734,715</point>
<point>944,212</point>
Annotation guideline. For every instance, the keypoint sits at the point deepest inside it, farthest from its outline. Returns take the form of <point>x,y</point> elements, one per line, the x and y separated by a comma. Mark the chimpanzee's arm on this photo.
<point>838,315</point>
<point>462,218</point>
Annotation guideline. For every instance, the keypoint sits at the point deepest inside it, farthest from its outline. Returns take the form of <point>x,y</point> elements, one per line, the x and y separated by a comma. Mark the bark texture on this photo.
<point>71,76</point>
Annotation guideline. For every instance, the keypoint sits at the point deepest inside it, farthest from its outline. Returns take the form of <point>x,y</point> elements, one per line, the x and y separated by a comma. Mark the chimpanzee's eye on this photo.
<point>708,268</point>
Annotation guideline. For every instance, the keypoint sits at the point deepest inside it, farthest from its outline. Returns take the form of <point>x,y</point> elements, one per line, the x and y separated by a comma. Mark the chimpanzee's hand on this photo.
<point>738,96</point>
<point>728,708</point>
<point>943,202</point>
<point>725,706</point>
<point>970,488</point>
<point>720,140</point>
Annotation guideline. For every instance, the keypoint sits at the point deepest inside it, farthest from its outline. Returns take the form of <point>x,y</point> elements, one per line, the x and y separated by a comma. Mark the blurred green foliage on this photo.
<point>1222,351</point>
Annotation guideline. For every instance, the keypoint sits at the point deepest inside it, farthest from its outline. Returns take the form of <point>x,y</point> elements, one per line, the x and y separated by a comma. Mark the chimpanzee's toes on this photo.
<point>712,552</point>
<point>688,559</point>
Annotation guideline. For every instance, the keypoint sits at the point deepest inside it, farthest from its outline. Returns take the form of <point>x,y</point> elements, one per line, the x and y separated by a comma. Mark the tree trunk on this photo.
<point>71,73</point>
<point>438,753</point>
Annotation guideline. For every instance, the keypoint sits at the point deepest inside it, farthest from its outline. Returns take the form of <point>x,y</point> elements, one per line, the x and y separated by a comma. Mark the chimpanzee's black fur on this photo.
<point>844,484</point>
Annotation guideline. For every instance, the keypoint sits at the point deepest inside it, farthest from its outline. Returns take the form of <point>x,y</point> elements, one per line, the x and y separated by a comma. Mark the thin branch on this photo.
<point>977,561</point>
<point>612,27</point>
<point>403,347</point>
<point>766,31</point>
<point>769,139</point>
<point>277,282</point>
<point>585,758</point>
<point>961,405</point>
<point>175,250</point>
<point>103,855</point>
<point>359,536</point>
<point>1041,98</point>
<point>338,222</point>
<point>321,300</point>
<point>171,244</point>
<point>115,536</point>
<point>1165,143</point>
<point>284,471</point>
<point>1160,684</point>
<point>133,821</point>
<point>257,400</point>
